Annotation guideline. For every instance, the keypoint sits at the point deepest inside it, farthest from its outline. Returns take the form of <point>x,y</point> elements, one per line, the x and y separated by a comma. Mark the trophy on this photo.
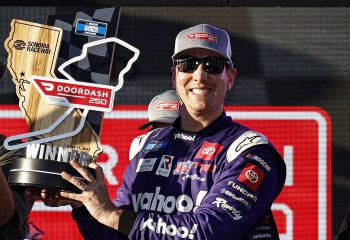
<point>63,114</point>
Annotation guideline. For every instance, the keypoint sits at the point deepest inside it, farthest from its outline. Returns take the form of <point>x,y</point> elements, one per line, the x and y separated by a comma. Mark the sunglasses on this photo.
<point>210,64</point>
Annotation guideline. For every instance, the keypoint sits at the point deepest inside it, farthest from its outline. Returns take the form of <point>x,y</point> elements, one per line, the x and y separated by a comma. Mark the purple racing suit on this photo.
<point>218,183</point>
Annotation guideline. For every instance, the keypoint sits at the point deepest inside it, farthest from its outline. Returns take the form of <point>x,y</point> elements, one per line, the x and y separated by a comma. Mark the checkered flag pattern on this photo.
<point>96,66</point>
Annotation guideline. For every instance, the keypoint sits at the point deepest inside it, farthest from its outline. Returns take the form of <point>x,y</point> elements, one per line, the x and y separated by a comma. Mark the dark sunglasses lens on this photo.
<point>188,65</point>
<point>211,65</point>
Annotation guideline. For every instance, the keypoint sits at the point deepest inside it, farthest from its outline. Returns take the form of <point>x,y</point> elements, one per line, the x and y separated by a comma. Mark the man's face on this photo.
<point>200,91</point>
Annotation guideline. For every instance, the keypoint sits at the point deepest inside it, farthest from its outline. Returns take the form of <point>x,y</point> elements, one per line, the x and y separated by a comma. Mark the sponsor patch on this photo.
<point>184,136</point>
<point>251,176</point>
<point>259,160</point>
<point>205,167</point>
<point>193,177</point>
<point>164,166</point>
<point>222,203</point>
<point>91,28</point>
<point>155,146</point>
<point>146,164</point>
<point>185,167</point>
<point>234,197</point>
<point>245,141</point>
<point>209,151</point>
<point>242,190</point>
<point>155,201</point>
<point>161,227</point>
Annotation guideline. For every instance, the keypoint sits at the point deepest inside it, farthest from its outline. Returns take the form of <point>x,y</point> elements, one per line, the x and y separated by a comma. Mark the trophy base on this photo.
<point>39,174</point>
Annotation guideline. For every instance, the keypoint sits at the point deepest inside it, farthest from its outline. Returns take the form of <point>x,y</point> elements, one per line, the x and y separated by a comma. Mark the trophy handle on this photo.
<point>98,42</point>
<point>44,131</point>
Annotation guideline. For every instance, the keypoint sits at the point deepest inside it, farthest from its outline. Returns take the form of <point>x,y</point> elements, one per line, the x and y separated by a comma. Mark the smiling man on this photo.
<point>204,177</point>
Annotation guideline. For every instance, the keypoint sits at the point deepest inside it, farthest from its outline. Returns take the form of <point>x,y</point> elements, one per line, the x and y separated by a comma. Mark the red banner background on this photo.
<point>301,134</point>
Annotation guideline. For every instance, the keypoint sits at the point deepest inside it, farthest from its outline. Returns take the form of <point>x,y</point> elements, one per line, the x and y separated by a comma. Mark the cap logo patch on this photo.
<point>203,36</point>
<point>173,106</point>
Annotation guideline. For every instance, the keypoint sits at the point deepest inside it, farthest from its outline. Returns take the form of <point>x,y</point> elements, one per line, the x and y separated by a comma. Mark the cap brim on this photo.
<point>169,120</point>
<point>146,125</point>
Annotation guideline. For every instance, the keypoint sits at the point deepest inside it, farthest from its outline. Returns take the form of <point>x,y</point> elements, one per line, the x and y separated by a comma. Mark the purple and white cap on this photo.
<point>203,36</point>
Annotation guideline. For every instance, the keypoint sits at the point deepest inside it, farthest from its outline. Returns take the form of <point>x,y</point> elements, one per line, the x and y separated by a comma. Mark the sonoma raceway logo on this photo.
<point>163,228</point>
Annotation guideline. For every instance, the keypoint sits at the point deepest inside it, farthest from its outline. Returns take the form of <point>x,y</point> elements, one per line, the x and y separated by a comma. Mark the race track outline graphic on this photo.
<point>70,109</point>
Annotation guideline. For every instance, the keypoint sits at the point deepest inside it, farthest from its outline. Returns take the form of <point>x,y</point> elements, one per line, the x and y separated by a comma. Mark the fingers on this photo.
<point>73,180</point>
<point>98,171</point>
<point>83,171</point>
<point>71,195</point>
<point>50,198</point>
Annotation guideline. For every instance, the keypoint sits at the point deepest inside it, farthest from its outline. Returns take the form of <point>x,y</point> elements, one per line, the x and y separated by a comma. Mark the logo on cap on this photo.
<point>203,36</point>
<point>167,106</point>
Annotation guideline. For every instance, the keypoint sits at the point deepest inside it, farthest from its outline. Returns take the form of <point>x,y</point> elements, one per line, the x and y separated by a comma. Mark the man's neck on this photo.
<point>195,122</point>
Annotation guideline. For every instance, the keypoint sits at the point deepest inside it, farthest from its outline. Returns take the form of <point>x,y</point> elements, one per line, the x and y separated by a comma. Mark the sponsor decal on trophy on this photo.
<point>63,113</point>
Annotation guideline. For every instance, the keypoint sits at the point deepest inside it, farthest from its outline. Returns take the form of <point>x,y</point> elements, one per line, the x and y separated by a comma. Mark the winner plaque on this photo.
<point>59,111</point>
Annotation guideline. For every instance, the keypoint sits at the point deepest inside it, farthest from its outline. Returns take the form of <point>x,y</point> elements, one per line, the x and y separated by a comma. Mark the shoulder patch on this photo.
<point>137,144</point>
<point>243,142</point>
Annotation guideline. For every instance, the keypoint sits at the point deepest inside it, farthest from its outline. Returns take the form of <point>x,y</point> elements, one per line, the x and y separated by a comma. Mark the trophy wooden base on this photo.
<point>39,174</point>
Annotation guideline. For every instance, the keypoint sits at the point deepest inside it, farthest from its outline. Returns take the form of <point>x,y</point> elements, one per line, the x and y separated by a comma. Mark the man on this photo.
<point>162,110</point>
<point>205,177</point>
<point>15,204</point>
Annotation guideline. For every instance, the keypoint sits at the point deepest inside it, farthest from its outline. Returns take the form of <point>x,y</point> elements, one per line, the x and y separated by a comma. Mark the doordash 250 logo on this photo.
<point>78,94</point>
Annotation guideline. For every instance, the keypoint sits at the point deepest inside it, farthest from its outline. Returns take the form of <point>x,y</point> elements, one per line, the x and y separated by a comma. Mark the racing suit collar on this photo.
<point>219,123</point>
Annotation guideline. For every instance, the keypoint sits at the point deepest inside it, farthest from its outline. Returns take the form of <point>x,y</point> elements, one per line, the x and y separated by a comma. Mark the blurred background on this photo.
<point>286,54</point>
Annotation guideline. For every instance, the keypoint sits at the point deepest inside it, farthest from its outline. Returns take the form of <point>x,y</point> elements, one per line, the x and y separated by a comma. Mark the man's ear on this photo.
<point>173,77</point>
<point>231,75</point>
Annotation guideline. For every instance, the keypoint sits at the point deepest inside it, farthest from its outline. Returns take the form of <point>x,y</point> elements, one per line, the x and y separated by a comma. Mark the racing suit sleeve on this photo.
<point>91,229</point>
<point>242,194</point>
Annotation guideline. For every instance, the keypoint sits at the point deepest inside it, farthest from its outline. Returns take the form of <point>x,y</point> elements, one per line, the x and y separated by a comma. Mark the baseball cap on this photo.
<point>203,36</point>
<point>163,108</point>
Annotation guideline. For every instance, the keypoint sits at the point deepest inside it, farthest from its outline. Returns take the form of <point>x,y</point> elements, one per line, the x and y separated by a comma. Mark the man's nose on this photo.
<point>200,74</point>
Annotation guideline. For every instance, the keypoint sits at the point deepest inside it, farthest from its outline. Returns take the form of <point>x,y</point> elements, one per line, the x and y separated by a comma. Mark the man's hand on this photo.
<point>94,194</point>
